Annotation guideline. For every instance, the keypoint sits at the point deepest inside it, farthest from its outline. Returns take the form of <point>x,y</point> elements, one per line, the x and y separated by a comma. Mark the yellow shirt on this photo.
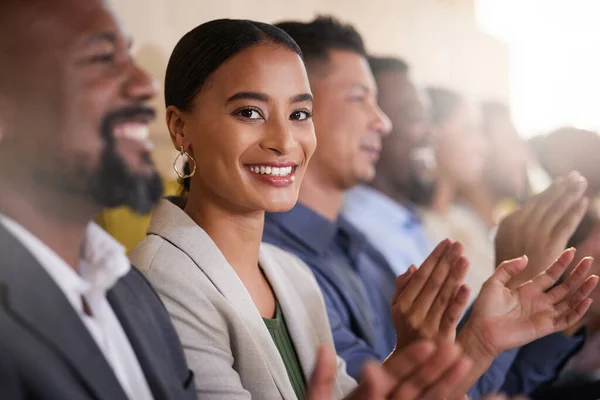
<point>127,227</point>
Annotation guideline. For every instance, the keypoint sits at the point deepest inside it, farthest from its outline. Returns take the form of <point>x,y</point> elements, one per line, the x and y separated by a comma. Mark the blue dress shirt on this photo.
<point>395,230</point>
<point>358,284</point>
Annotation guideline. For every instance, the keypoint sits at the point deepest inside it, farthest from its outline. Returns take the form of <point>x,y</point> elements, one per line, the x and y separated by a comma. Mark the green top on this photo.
<point>281,336</point>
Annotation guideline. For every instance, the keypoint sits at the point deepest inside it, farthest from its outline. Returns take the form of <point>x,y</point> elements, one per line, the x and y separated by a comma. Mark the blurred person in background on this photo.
<point>505,169</point>
<point>504,176</point>
<point>460,151</point>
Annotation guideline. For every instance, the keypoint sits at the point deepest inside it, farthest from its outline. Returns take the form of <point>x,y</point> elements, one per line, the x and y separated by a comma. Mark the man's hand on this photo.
<point>541,228</point>
<point>504,318</point>
<point>429,302</point>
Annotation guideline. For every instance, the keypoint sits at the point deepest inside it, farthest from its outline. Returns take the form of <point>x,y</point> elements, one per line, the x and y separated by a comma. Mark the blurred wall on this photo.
<point>439,38</point>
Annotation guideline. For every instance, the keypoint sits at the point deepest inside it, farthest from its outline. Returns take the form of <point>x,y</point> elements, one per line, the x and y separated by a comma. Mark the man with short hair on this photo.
<point>404,169</point>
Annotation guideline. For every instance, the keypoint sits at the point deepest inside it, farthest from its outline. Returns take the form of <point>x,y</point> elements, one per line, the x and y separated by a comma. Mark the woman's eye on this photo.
<point>249,113</point>
<point>300,115</point>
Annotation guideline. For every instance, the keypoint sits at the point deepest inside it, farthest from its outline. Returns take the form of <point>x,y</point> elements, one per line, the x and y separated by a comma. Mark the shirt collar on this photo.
<point>313,230</point>
<point>104,260</point>
<point>353,240</point>
<point>102,264</point>
<point>371,203</point>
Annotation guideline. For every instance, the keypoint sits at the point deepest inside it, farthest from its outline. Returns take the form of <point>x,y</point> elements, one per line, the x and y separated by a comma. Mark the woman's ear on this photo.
<point>176,125</point>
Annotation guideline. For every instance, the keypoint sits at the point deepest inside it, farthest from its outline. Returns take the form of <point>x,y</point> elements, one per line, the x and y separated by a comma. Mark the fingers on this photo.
<point>562,204</point>
<point>569,319</point>
<point>572,301</point>
<point>320,386</point>
<point>536,206</point>
<point>436,284</point>
<point>414,287</point>
<point>450,381</point>
<point>376,382</point>
<point>447,294</point>
<point>454,312</point>
<point>508,270</point>
<point>564,228</point>
<point>402,364</point>
<point>574,281</point>
<point>551,275</point>
<point>445,358</point>
<point>402,281</point>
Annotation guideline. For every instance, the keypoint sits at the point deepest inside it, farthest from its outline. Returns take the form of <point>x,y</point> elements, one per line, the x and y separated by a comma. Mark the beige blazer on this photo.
<point>225,340</point>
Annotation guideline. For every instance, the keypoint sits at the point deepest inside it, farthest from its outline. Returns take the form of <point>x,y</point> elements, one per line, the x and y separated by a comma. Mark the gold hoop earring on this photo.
<point>190,159</point>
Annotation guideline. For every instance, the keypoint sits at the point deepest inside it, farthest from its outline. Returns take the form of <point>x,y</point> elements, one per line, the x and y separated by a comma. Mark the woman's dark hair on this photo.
<point>443,103</point>
<point>201,51</point>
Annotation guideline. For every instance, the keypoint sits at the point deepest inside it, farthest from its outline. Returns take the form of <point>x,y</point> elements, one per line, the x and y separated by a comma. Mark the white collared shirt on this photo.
<point>103,263</point>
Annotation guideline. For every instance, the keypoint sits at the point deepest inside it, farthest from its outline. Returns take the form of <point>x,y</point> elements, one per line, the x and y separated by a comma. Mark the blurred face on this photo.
<point>75,119</point>
<point>348,122</point>
<point>403,104</point>
<point>506,165</point>
<point>460,146</point>
<point>250,131</point>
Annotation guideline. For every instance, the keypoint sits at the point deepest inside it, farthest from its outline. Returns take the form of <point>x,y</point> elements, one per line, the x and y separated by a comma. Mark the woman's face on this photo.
<point>250,131</point>
<point>460,145</point>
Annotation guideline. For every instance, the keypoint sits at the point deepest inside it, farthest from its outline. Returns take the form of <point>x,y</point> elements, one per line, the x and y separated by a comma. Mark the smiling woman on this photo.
<point>250,316</point>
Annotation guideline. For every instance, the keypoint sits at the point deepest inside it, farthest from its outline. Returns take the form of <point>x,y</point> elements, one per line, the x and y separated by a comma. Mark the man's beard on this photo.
<point>419,190</point>
<point>114,183</point>
<point>420,186</point>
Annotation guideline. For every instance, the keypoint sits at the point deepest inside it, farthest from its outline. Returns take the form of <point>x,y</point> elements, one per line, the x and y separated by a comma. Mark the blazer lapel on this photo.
<point>35,299</point>
<point>171,223</point>
<point>297,317</point>
<point>138,324</point>
<point>295,314</point>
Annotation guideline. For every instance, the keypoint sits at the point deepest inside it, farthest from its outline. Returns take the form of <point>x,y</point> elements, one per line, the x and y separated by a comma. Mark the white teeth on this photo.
<point>135,131</point>
<point>275,171</point>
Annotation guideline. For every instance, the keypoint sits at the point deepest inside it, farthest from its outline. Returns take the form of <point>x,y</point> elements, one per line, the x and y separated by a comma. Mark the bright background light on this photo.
<point>554,50</point>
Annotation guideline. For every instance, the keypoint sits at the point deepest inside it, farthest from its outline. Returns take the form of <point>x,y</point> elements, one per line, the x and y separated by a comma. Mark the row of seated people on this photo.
<point>258,275</point>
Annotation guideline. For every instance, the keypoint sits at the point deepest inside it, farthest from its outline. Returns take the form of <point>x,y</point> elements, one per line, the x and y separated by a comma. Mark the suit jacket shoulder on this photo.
<point>47,353</point>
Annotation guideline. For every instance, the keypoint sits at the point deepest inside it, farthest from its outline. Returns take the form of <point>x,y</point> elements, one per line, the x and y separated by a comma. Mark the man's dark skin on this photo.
<point>401,101</point>
<point>60,162</point>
